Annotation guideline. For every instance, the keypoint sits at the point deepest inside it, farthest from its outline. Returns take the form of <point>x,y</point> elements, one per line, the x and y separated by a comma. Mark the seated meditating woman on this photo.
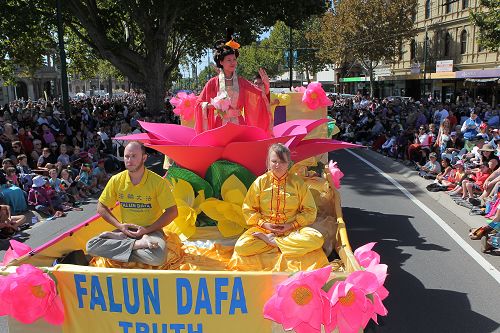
<point>278,208</point>
<point>247,104</point>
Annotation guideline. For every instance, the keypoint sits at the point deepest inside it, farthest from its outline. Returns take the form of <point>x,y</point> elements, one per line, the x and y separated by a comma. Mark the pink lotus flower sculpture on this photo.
<point>298,301</point>
<point>336,174</point>
<point>16,250</point>
<point>365,256</point>
<point>184,105</point>
<point>30,294</point>
<point>350,309</point>
<point>245,145</point>
<point>370,261</point>
<point>315,96</point>
<point>299,89</point>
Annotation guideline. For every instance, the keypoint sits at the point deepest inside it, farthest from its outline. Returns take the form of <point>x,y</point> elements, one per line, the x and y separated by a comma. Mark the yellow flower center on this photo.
<point>187,104</point>
<point>348,299</point>
<point>302,295</point>
<point>37,291</point>
<point>314,95</point>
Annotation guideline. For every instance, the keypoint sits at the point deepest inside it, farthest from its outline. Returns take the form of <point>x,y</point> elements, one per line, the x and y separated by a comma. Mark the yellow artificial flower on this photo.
<point>227,212</point>
<point>188,208</point>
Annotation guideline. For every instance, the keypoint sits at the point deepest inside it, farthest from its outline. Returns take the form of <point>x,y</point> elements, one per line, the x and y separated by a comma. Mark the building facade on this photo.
<point>452,63</point>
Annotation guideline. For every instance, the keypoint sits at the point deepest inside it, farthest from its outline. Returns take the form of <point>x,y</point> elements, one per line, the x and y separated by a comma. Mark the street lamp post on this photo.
<point>425,60</point>
<point>62,55</point>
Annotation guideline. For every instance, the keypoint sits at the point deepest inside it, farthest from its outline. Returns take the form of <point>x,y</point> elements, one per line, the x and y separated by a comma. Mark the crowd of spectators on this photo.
<point>454,145</point>
<point>52,160</point>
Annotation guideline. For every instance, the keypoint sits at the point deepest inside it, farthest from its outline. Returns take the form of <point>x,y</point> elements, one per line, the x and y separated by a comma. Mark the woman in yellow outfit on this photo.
<point>278,208</point>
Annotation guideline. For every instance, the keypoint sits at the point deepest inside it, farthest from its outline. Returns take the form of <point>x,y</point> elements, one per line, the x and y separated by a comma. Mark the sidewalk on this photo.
<point>401,172</point>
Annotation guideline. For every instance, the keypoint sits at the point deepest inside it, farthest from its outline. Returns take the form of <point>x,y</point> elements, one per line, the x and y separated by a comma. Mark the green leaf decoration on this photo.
<point>196,181</point>
<point>204,221</point>
<point>220,170</point>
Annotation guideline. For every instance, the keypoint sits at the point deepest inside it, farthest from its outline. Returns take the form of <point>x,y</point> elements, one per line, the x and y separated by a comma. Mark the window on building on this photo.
<point>465,4</point>
<point>447,44</point>
<point>448,5</point>
<point>427,9</point>
<point>463,42</point>
<point>480,48</point>
<point>413,49</point>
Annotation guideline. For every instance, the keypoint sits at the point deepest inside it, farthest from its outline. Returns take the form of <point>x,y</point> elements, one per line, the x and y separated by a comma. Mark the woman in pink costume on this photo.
<point>247,104</point>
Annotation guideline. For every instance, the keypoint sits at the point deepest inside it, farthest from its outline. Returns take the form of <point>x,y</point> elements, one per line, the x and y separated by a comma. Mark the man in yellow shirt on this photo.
<point>146,205</point>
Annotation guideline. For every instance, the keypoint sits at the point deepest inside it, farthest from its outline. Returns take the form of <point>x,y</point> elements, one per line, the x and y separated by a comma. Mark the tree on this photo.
<point>265,54</point>
<point>488,22</point>
<point>368,31</point>
<point>145,40</point>
<point>206,74</point>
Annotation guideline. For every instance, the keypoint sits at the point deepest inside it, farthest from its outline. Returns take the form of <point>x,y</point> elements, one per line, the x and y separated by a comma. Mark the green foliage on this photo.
<point>488,22</point>
<point>220,171</point>
<point>206,74</point>
<point>143,40</point>
<point>367,31</point>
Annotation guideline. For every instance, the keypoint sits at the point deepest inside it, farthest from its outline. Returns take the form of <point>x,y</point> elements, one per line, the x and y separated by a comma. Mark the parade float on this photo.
<point>209,174</point>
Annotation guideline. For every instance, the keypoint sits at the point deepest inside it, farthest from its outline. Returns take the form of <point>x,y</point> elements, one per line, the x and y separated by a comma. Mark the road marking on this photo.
<point>489,268</point>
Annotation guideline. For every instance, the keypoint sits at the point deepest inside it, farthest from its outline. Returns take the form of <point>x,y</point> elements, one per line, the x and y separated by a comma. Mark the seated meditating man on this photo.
<point>146,206</point>
<point>278,208</point>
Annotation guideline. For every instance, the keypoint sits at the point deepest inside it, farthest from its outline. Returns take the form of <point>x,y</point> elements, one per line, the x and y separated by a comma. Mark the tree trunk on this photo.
<point>154,88</point>
<point>110,87</point>
<point>370,72</point>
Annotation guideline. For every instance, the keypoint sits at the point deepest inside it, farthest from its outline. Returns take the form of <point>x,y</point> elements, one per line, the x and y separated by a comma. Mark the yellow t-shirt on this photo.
<point>140,204</point>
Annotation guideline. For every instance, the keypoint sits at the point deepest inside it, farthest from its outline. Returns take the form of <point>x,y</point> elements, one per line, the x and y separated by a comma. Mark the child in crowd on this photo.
<point>100,175</point>
<point>12,176</point>
<point>430,169</point>
<point>63,157</point>
<point>44,199</point>
<point>455,182</point>
<point>9,224</point>
<point>84,179</point>
<point>475,181</point>
<point>70,187</point>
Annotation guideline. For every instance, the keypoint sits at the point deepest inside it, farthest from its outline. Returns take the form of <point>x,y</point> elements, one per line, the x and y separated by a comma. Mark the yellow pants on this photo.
<point>297,243</point>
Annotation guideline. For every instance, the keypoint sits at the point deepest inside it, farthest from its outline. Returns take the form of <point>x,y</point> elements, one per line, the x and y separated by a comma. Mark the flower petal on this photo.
<point>229,228</point>
<point>172,132</point>
<point>229,132</point>
<point>16,250</point>
<point>313,147</point>
<point>233,189</point>
<point>184,191</point>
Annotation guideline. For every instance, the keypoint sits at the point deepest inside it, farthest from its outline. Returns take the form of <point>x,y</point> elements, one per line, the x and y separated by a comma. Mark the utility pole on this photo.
<point>290,60</point>
<point>62,55</point>
<point>425,59</point>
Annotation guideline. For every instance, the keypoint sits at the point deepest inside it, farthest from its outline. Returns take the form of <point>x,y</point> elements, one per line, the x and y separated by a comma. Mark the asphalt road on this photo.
<point>435,284</point>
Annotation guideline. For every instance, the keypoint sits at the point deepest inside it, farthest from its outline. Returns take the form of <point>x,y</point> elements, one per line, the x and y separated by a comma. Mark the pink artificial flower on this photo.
<point>350,309</point>
<point>16,250</point>
<point>184,105</point>
<point>30,294</point>
<point>221,102</point>
<point>300,89</point>
<point>370,261</point>
<point>315,96</point>
<point>298,301</point>
<point>336,173</point>
<point>365,256</point>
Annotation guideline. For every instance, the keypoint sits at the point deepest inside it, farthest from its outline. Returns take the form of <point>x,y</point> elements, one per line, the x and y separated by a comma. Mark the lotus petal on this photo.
<point>286,128</point>
<point>196,159</point>
<point>313,147</point>
<point>142,137</point>
<point>233,190</point>
<point>16,250</point>
<point>171,132</point>
<point>252,155</point>
<point>221,136</point>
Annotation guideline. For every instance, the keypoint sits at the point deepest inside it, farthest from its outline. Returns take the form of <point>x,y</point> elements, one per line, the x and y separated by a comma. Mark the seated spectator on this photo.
<point>455,182</point>
<point>44,199</point>
<point>474,183</point>
<point>100,175</point>
<point>47,157</point>
<point>430,169</point>
<point>453,147</point>
<point>6,164</point>
<point>12,195</point>
<point>12,176</point>
<point>421,140</point>
<point>84,179</point>
<point>70,187</point>
<point>9,224</point>
<point>470,128</point>
<point>63,157</point>
<point>47,135</point>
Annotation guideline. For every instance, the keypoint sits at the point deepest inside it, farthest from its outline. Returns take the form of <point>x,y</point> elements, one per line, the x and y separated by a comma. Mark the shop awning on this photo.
<point>482,80</point>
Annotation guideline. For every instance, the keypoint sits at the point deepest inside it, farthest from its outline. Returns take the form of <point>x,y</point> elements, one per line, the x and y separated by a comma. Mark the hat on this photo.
<point>495,130</point>
<point>39,181</point>
<point>459,163</point>
<point>487,147</point>
<point>453,134</point>
<point>433,155</point>
<point>483,125</point>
